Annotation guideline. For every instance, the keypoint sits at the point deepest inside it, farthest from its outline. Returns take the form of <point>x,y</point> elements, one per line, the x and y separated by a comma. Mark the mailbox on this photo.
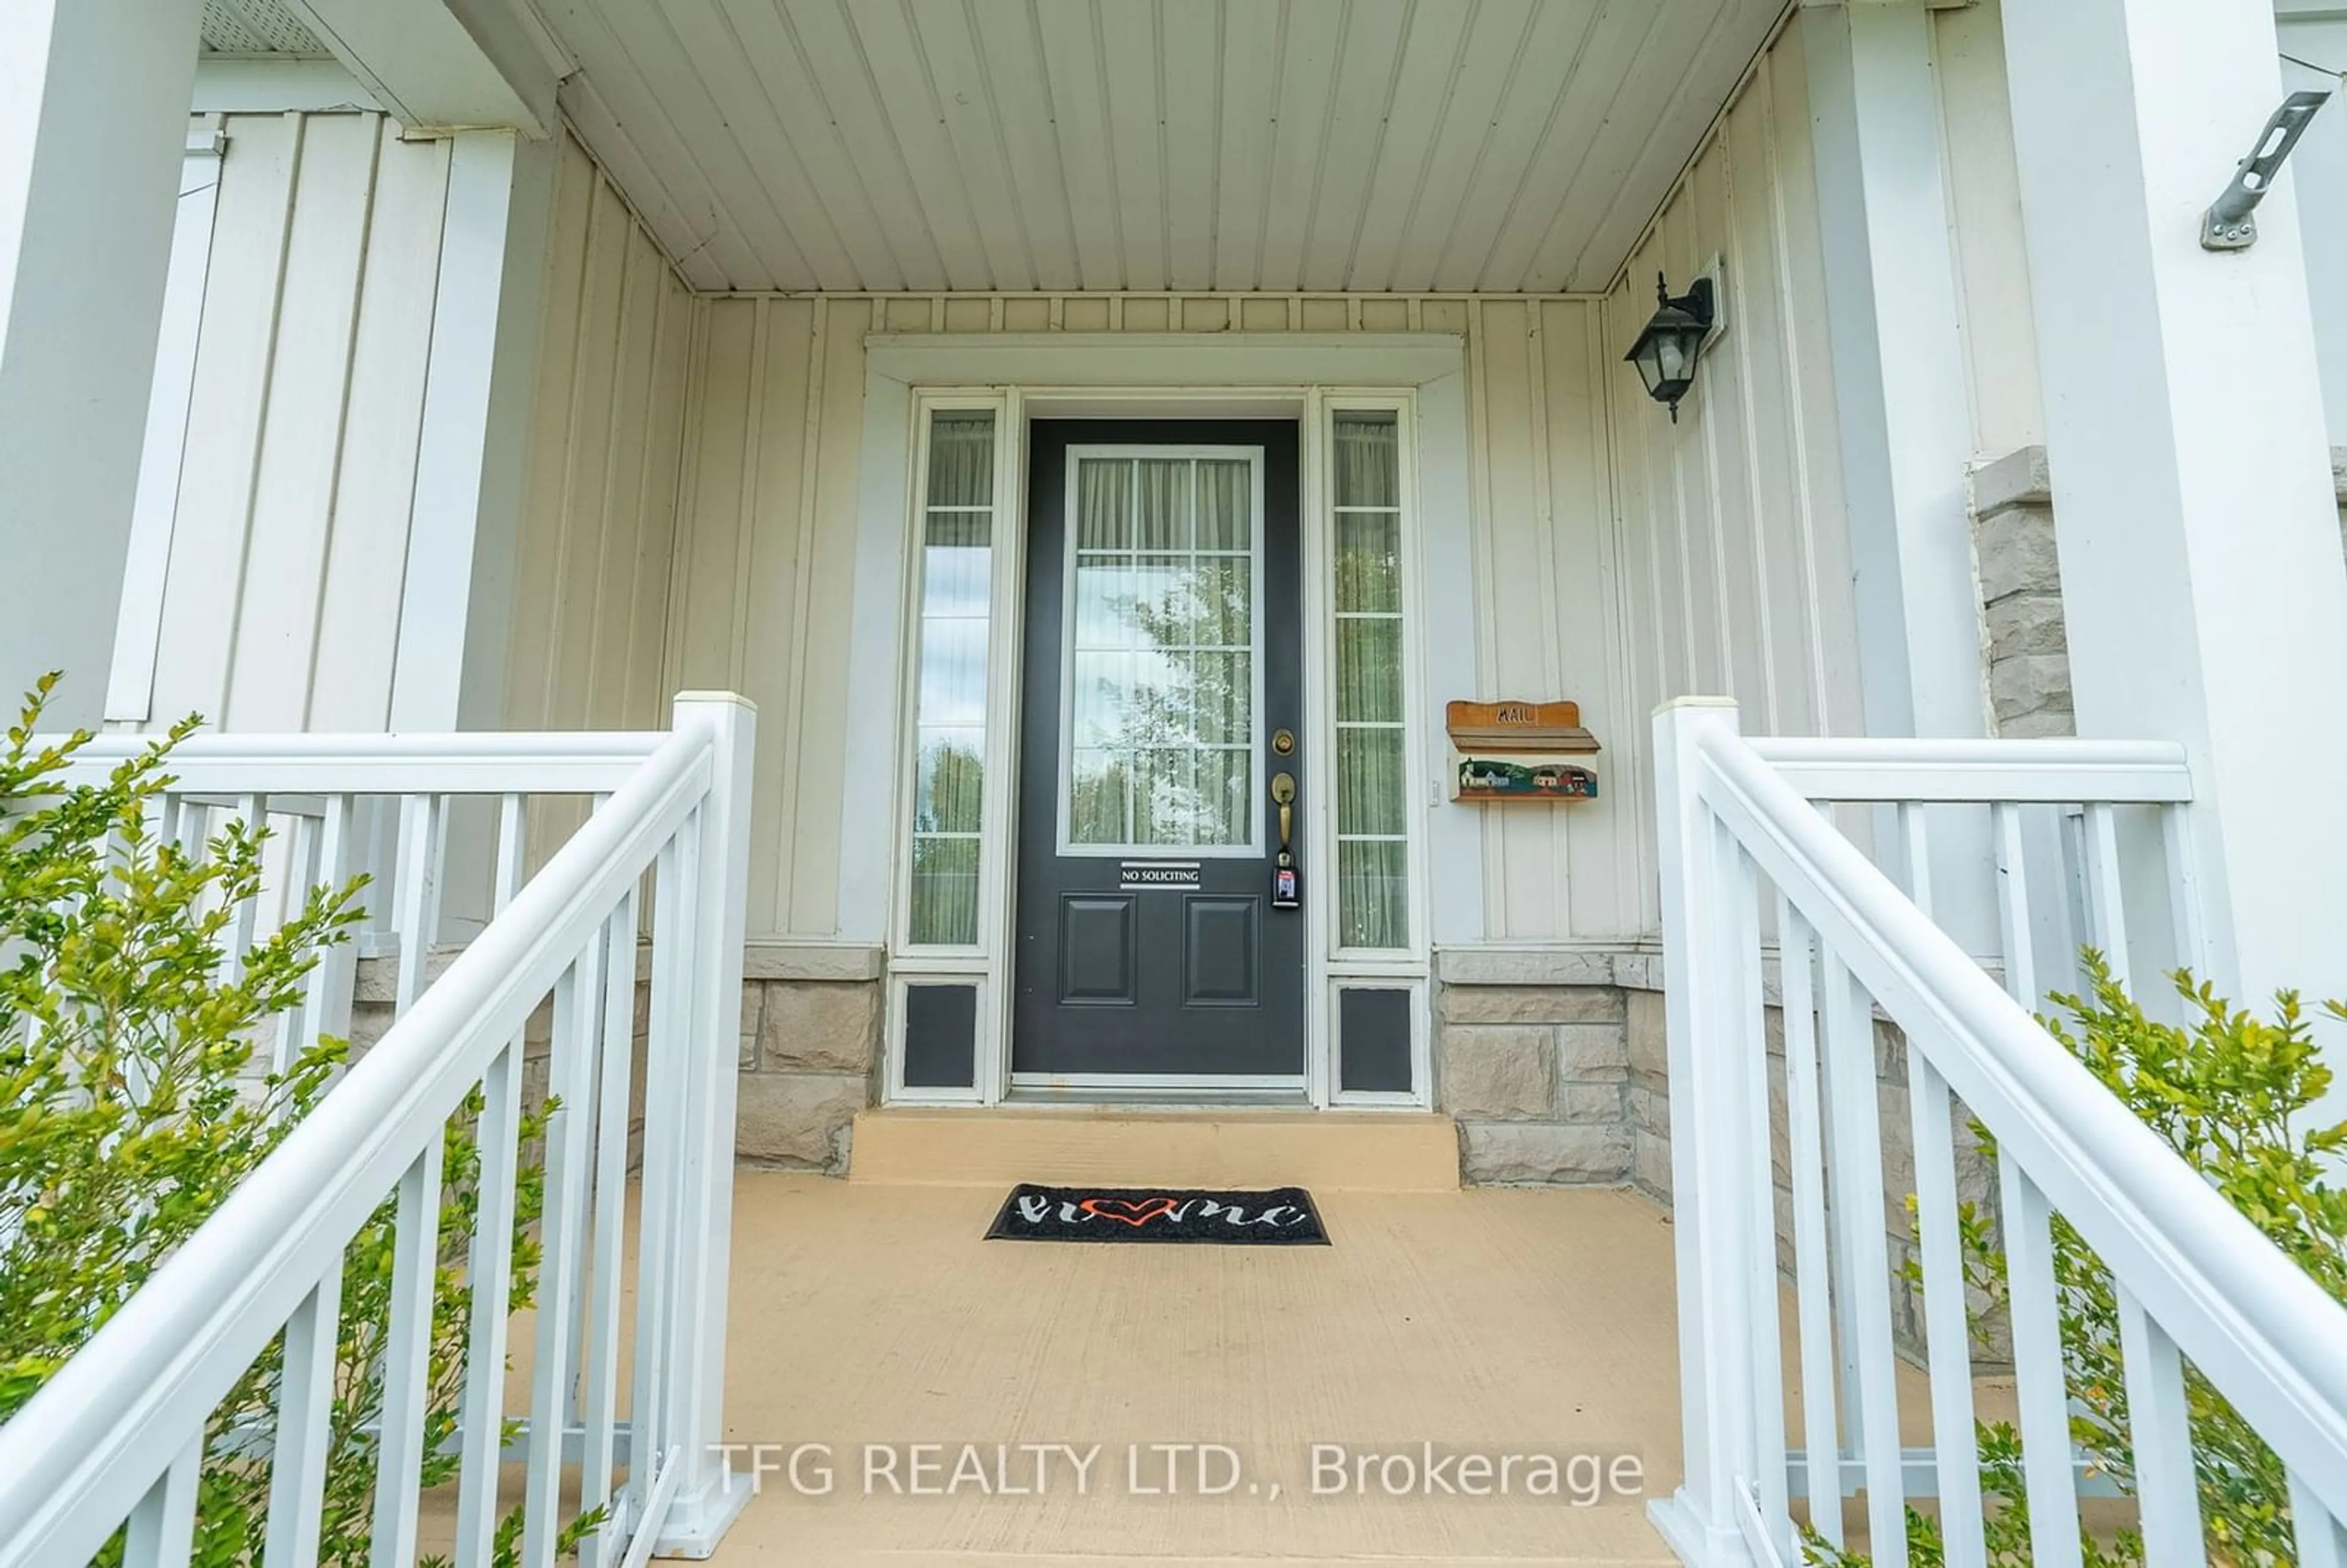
<point>1519,751</point>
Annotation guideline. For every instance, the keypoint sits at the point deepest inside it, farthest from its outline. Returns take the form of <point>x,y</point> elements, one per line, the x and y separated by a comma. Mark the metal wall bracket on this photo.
<point>2229,223</point>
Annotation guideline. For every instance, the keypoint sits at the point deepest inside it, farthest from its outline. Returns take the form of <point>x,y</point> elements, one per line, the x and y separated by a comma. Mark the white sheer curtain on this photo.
<point>1372,779</point>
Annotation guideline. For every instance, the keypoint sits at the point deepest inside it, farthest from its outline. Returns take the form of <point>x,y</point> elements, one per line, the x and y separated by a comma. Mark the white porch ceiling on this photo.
<point>1280,145</point>
<point>258,28</point>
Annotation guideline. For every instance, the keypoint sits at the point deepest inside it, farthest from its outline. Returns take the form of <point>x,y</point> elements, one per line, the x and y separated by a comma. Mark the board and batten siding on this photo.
<point>1566,585</point>
<point>766,577</point>
<point>606,438</point>
<point>1734,569</point>
<point>280,604</point>
<point>289,545</point>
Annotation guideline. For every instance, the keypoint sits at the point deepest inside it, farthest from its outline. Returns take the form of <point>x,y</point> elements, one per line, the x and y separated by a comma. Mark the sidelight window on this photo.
<point>957,567</point>
<point>1372,774</point>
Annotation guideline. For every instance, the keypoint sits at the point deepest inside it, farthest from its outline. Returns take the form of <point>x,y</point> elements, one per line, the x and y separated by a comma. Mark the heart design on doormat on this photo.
<point>1278,1216</point>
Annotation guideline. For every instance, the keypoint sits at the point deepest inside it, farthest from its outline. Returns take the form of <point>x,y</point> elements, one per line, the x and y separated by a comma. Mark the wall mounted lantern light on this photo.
<point>1666,351</point>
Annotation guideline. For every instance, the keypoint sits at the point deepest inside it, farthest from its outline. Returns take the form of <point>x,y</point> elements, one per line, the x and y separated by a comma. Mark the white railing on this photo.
<point>117,1437</point>
<point>2194,1280</point>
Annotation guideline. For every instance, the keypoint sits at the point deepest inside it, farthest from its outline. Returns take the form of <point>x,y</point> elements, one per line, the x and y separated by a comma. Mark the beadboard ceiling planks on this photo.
<point>1500,146</point>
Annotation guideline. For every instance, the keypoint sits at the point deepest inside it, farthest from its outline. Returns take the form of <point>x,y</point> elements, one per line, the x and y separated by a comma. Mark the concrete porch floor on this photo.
<point>1482,1322</point>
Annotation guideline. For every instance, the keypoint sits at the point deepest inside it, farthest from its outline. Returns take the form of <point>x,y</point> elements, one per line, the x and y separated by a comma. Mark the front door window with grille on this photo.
<point>1164,663</point>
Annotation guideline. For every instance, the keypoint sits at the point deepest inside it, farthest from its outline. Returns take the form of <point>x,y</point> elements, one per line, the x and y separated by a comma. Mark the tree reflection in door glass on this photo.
<point>1161,653</point>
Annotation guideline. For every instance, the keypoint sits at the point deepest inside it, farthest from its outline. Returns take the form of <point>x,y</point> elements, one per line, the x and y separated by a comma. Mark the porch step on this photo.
<point>1402,1151</point>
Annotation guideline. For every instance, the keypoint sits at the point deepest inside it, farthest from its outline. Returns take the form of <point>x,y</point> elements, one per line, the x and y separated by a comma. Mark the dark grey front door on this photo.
<point>1164,671</point>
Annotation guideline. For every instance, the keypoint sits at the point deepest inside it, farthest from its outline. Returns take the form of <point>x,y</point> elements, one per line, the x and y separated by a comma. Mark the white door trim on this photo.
<point>1157,376</point>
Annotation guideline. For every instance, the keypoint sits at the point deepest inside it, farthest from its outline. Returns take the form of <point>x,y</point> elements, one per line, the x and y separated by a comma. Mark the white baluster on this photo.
<point>2041,1386</point>
<point>2061,970</point>
<point>576,1016</point>
<point>297,1026</point>
<point>161,1530</point>
<point>2322,1539</point>
<point>1812,1256</point>
<point>1946,1333</point>
<point>332,981</point>
<point>665,1055</point>
<point>491,1269</point>
<point>1862,1250</point>
<point>377,825</point>
<point>164,819</point>
<point>481,1410</point>
<point>407,1353</point>
<point>1746,1064</point>
<point>2159,1430</point>
<point>193,830</point>
<point>1916,851</point>
<point>2105,888</point>
<point>602,1340</point>
<point>422,823</point>
<point>252,815</point>
<point>1846,1336</point>
<point>1947,1337</point>
<point>575,1288</point>
<point>2184,890</point>
<point>303,1440</point>
<point>2012,906</point>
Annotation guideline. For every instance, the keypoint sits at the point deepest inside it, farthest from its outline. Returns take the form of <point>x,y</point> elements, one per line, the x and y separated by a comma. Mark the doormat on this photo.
<point>1283,1216</point>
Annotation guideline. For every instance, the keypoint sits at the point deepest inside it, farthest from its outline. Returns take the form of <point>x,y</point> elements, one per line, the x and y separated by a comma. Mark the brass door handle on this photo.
<point>1283,790</point>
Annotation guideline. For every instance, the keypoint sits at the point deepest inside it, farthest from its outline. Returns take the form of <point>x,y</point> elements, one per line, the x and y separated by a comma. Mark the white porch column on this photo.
<point>2315,33</point>
<point>455,605</point>
<point>2201,572</point>
<point>93,125</point>
<point>1899,389</point>
<point>473,445</point>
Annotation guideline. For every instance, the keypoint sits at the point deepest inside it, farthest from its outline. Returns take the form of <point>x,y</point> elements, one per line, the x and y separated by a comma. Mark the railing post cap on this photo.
<point>1662,708</point>
<point>733,698</point>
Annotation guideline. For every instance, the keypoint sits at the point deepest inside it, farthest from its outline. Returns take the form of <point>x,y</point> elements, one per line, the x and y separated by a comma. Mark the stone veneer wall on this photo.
<point>810,1053</point>
<point>2024,644</point>
<point>1532,1062</point>
<point>810,1045</point>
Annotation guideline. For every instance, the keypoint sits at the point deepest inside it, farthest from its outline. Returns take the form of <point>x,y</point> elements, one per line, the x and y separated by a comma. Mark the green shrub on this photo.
<point>2230,1092</point>
<point>131,1105</point>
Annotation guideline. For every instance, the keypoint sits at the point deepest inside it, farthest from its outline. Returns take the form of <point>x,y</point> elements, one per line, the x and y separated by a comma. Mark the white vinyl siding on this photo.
<point>606,436</point>
<point>1734,565</point>
<point>281,603</point>
<point>767,556</point>
<point>289,545</point>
